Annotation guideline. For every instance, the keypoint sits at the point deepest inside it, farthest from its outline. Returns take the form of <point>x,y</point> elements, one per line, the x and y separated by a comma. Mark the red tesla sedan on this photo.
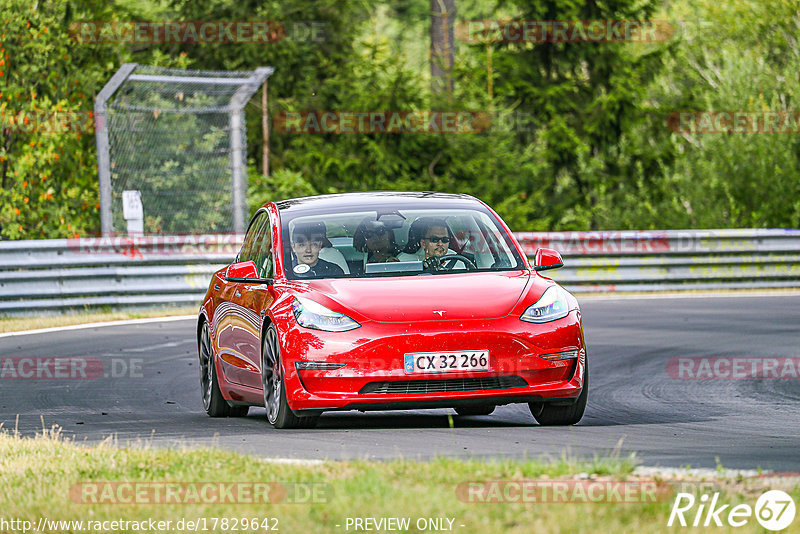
<point>376,301</point>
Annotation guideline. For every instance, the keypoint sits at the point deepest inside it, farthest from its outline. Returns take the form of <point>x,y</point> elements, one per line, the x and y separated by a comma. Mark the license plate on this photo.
<point>441,362</point>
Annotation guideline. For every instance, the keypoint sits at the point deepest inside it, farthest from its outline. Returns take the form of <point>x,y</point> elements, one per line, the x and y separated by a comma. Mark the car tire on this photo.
<point>214,403</point>
<point>552,415</point>
<point>279,414</point>
<point>475,410</point>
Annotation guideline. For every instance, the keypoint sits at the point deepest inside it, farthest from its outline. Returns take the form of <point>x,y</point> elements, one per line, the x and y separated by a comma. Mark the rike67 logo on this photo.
<point>774,510</point>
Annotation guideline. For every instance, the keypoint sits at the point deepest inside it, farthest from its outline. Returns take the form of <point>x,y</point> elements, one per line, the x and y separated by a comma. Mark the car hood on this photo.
<point>416,298</point>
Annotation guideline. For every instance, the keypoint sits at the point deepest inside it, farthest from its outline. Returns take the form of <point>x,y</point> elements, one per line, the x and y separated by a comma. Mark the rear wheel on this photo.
<point>553,415</point>
<point>278,412</point>
<point>475,410</point>
<point>213,401</point>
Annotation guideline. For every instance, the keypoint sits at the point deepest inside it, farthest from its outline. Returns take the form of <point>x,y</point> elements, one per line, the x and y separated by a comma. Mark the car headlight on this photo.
<point>316,316</point>
<point>551,305</point>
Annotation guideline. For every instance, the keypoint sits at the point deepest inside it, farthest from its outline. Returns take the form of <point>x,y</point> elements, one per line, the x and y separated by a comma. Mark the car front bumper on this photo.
<point>374,376</point>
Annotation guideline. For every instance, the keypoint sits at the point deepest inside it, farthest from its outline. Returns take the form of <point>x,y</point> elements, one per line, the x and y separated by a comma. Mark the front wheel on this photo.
<point>550,415</point>
<point>278,412</point>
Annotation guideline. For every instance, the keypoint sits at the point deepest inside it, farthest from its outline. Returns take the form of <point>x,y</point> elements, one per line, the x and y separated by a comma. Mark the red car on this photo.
<point>376,301</point>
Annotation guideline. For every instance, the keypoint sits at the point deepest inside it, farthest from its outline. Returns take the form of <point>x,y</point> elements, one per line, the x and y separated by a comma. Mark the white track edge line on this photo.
<point>682,295</point>
<point>122,322</point>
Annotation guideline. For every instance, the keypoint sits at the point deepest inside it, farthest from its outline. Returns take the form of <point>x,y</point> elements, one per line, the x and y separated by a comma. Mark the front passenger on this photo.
<point>307,240</point>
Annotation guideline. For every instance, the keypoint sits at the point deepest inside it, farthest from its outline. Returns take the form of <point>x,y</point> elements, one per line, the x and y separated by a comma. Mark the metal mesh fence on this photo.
<point>178,138</point>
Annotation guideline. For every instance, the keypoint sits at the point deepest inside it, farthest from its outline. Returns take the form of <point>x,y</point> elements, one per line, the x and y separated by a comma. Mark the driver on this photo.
<point>436,240</point>
<point>433,235</point>
<point>307,240</point>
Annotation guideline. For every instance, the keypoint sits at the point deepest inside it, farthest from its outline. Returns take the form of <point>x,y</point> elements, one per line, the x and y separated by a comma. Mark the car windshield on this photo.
<point>395,242</point>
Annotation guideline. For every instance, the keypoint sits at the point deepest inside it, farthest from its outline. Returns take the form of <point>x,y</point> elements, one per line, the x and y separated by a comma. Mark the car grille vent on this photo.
<point>444,385</point>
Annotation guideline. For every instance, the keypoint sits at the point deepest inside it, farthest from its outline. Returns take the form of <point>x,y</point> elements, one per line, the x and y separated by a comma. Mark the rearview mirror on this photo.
<point>245,271</point>
<point>547,258</point>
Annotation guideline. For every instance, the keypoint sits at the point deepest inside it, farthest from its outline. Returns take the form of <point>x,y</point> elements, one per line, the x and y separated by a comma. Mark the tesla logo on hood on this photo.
<point>440,313</point>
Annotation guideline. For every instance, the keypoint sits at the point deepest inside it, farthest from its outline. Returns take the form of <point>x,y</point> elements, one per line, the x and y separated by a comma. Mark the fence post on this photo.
<point>238,168</point>
<point>103,145</point>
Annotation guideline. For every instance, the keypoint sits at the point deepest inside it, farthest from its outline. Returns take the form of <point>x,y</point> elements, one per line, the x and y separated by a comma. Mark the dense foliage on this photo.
<point>579,136</point>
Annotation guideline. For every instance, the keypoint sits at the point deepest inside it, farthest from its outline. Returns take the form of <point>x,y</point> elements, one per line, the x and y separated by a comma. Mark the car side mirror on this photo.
<point>547,258</point>
<point>245,271</point>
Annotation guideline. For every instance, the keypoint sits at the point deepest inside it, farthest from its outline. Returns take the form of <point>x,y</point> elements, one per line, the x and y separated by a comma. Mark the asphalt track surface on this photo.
<point>634,405</point>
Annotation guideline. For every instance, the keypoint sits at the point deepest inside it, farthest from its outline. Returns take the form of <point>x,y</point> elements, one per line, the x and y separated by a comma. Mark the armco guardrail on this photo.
<point>672,259</point>
<point>120,272</point>
<point>140,272</point>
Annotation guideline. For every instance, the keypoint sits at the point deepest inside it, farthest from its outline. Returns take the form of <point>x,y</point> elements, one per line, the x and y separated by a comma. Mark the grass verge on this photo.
<point>39,477</point>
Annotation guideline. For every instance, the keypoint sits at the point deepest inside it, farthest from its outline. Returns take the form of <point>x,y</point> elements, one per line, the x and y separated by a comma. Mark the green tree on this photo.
<point>735,56</point>
<point>48,176</point>
<point>589,99</point>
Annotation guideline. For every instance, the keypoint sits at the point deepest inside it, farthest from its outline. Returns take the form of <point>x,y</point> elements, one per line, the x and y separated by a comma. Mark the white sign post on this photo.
<point>133,212</point>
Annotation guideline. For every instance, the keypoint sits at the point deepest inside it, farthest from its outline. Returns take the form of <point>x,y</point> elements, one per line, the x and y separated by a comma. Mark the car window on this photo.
<point>262,250</point>
<point>390,242</point>
<point>246,252</point>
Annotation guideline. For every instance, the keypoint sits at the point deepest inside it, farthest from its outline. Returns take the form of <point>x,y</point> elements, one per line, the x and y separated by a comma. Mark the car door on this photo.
<point>239,326</point>
<point>257,298</point>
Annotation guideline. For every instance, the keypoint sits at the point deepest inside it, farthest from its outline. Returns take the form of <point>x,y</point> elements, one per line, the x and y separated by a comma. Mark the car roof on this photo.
<point>376,199</point>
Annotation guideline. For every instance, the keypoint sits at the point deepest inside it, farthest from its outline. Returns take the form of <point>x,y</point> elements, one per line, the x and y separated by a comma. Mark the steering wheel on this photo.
<point>436,263</point>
